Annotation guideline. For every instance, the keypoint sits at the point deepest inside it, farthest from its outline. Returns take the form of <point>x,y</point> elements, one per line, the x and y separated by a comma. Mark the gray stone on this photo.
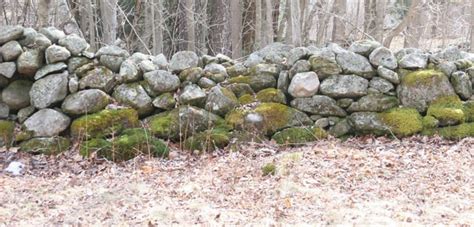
<point>318,104</point>
<point>165,101</point>
<point>161,81</point>
<point>73,83</point>
<point>135,96</point>
<point>9,33</point>
<point>275,53</point>
<point>383,57</point>
<point>206,83</point>
<point>406,51</point>
<point>223,58</point>
<point>52,34</point>
<point>75,44</point>
<point>56,53</point>
<point>10,51</point>
<point>344,86</point>
<point>16,95</point>
<point>322,123</point>
<point>240,89</point>
<point>192,95</point>
<point>4,111</point>
<point>147,66</point>
<point>214,68</point>
<point>414,61</point>
<point>112,50</point>
<point>138,57</point>
<point>381,85</point>
<point>129,72</point>
<point>76,62</point>
<point>374,103</point>
<point>49,90</point>
<point>220,101</point>
<point>25,113</point>
<point>7,69</point>
<point>47,122</point>
<point>352,63</point>
<point>296,54</point>
<point>3,81</point>
<point>100,77</point>
<point>304,85</point>
<point>236,70</point>
<point>50,69</point>
<point>367,123</point>
<point>160,60</point>
<point>29,62</point>
<point>462,84</point>
<point>283,81</point>
<point>323,62</point>
<point>85,102</point>
<point>264,70</point>
<point>364,47</point>
<point>34,40</point>
<point>388,75</point>
<point>191,74</point>
<point>345,102</point>
<point>341,128</point>
<point>183,60</point>
<point>452,53</point>
<point>299,67</point>
<point>112,62</point>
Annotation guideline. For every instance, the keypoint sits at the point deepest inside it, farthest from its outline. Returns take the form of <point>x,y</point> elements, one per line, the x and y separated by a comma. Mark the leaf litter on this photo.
<point>363,180</point>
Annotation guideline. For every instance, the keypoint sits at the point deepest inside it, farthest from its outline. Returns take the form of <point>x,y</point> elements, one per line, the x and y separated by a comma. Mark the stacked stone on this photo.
<point>54,90</point>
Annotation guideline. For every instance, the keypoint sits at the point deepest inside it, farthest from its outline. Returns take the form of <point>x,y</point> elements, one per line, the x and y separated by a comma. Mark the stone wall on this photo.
<point>55,92</point>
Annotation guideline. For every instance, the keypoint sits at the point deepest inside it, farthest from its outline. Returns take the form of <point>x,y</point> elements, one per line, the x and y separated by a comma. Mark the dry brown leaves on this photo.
<point>362,180</point>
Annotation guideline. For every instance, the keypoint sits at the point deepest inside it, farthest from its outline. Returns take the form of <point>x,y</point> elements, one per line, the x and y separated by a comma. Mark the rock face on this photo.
<point>47,122</point>
<point>85,102</point>
<point>344,86</point>
<point>418,89</point>
<point>16,95</point>
<point>49,90</point>
<point>183,60</point>
<point>304,85</point>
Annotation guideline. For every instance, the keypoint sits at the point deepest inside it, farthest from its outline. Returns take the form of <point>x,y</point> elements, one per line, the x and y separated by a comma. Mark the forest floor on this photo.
<point>361,180</point>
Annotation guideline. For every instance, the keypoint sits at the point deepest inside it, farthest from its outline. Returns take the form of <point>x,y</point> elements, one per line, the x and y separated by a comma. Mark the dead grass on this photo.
<point>360,181</point>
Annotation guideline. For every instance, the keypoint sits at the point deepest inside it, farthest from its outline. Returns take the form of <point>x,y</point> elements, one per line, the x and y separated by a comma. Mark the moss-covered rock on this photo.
<point>403,121</point>
<point>131,143</point>
<point>448,110</point>
<point>271,95</point>
<point>183,122</point>
<point>430,122</point>
<point>46,145</point>
<point>418,89</point>
<point>104,123</point>
<point>299,135</point>
<point>452,132</point>
<point>257,83</point>
<point>267,117</point>
<point>208,140</point>
<point>6,132</point>
<point>247,99</point>
<point>468,109</point>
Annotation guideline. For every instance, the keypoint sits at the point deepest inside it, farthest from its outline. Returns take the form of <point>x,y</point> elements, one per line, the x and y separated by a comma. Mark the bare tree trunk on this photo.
<point>414,30</point>
<point>293,35</point>
<point>379,16</point>
<point>87,22</point>
<point>268,23</point>
<point>472,25</point>
<point>258,24</point>
<point>309,22</point>
<point>236,28</point>
<point>190,30</point>
<point>324,22</point>
<point>338,33</point>
<point>43,12</point>
<point>108,12</point>
<point>219,24</point>
<point>403,24</point>
<point>157,40</point>
<point>203,28</point>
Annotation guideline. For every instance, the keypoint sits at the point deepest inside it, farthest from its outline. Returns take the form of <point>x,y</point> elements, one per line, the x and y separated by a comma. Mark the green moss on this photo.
<point>166,124</point>
<point>208,140</point>
<point>104,123</point>
<point>453,132</point>
<point>246,99</point>
<point>6,132</point>
<point>271,95</point>
<point>275,114</point>
<point>299,135</point>
<point>235,118</point>
<point>468,109</point>
<point>403,121</point>
<point>131,143</point>
<point>46,145</point>
<point>430,122</point>
<point>240,79</point>
<point>269,169</point>
<point>422,77</point>
<point>447,110</point>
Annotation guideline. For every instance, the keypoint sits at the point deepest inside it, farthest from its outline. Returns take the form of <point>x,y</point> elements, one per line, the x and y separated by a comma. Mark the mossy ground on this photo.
<point>131,143</point>
<point>269,169</point>
<point>299,135</point>
<point>452,132</point>
<point>403,121</point>
<point>104,123</point>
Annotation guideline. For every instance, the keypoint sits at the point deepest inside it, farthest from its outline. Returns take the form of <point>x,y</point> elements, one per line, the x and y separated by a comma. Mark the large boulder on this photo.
<point>34,40</point>
<point>381,85</point>
<point>368,123</point>
<point>418,89</point>
<point>75,44</point>
<point>52,33</point>
<point>192,95</point>
<point>29,62</point>
<point>10,51</point>
<point>352,63</point>
<point>304,85</point>
<point>129,72</point>
<point>415,60</point>
<point>85,102</point>
<point>221,100</point>
<point>49,69</point>
<point>320,105</point>
<point>373,103</point>
<point>7,69</point>
<point>99,77</point>
<point>388,75</point>
<point>47,122</point>
<point>257,83</point>
<point>9,33</point>
<point>183,60</point>
<point>56,53</point>
<point>271,95</point>
<point>462,84</point>
<point>324,63</point>
<point>296,54</point>
<point>49,90</point>
<point>104,123</point>
<point>164,101</point>
<point>16,95</point>
<point>135,96</point>
<point>382,56</point>
<point>344,86</point>
<point>160,81</point>
<point>364,47</point>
